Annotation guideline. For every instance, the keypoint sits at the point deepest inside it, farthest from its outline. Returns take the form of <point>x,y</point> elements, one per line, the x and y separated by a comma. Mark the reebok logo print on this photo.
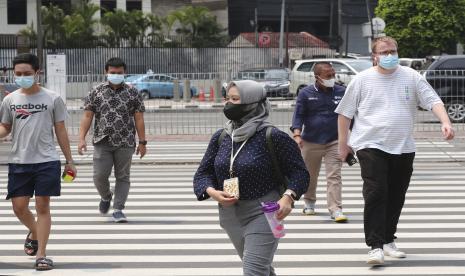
<point>24,110</point>
<point>23,114</point>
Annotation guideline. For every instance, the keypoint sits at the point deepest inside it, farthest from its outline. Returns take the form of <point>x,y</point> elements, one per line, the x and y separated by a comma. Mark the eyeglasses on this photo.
<point>387,52</point>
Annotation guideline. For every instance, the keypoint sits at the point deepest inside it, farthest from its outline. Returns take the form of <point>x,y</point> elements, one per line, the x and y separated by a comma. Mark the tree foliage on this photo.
<point>195,27</point>
<point>424,27</point>
<point>200,26</point>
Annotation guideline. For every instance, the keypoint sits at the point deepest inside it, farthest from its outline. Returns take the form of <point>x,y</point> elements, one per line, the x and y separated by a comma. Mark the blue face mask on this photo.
<point>25,81</point>
<point>115,79</point>
<point>389,62</point>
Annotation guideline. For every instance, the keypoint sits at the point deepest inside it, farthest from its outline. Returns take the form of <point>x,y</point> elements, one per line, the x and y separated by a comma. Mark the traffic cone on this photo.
<point>201,95</point>
<point>212,94</point>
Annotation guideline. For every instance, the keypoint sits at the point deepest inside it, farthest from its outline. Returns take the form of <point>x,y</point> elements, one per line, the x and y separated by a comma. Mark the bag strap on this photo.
<point>274,160</point>
<point>221,138</point>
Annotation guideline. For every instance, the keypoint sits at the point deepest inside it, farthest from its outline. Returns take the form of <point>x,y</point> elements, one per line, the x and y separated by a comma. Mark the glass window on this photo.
<point>16,12</point>
<point>453,64</point>
<point>134,5</point>
<point>107,6</point>
<point>277,74</point>
<point>306,67</point>
<point>360,65</point>
<point>340,68</point>
<point>65,5</point>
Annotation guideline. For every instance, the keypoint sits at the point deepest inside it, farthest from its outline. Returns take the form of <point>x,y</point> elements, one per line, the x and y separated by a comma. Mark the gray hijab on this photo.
<point>254,95</point>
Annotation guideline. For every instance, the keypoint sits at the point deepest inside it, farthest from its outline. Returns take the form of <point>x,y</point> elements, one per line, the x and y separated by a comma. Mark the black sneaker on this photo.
<point>104,205</point>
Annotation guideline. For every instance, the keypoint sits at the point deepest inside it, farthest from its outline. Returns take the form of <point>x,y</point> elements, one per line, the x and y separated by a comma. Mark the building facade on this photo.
<point>18,14</point>
<point>317,17</point>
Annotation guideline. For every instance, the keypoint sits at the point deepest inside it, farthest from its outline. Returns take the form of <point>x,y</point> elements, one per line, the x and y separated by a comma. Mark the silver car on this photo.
<point>274,80</point>
<point>346,68</point>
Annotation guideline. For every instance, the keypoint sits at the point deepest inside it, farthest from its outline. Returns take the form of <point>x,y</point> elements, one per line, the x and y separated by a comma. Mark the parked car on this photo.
<point>346,68</point>
<point>447,76</point>
<point>415,63</point>
<point>157,85</point>
<point>274,80</point>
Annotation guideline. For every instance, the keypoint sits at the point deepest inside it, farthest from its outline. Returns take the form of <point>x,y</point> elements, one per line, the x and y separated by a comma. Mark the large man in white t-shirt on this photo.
<point>383,102</point>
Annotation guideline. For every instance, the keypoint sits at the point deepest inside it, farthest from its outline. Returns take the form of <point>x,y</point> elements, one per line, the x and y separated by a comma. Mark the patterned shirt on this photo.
<point>252,165</point>
<point>114,113</point>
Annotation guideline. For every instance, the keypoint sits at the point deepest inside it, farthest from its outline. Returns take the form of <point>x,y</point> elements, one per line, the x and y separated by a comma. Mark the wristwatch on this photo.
<point>143,142</point>
<point>291,194</point>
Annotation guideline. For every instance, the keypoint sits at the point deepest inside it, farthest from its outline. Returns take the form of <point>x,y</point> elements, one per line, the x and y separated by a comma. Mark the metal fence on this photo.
<point>174,60</point>
<point>191,103</point>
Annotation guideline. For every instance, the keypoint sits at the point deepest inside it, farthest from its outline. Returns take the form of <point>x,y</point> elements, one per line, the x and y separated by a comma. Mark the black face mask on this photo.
<point>235,112</point>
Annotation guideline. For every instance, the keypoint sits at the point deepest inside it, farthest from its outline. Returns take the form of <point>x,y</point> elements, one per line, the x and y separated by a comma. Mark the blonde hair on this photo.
<point>379,40</point>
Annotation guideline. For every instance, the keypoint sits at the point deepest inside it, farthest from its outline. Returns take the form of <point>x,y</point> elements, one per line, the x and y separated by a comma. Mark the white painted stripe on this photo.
<point>363,270</point>
<point>191,195</point>
<point>67,190</point>
<point>175,196</point>
<point>215,226</point>
<point>323,218</point>
<point>405,211</point>
<point>228,245</point>
<point>230,259</point>
<point>194,203</point>
<point>215,236</point>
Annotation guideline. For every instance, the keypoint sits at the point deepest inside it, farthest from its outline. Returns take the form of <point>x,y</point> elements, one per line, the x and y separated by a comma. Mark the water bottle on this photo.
<point>270,209</point>
<point>68,176</point>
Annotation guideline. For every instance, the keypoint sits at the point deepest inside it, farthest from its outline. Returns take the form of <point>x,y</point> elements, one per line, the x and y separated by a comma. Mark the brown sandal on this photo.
<point>30,245</point>
<point>44,264</point>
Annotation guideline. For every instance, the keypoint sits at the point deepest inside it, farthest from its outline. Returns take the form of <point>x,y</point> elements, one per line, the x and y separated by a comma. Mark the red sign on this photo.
<point>264,40</point>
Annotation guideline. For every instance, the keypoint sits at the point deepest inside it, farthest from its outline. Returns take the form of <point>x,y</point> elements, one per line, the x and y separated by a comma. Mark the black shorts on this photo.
<point>41,179</point>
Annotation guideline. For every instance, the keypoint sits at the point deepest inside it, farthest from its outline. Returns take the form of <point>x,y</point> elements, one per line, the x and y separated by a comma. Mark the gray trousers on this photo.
<point>251,235</point>
<point>105,157</point>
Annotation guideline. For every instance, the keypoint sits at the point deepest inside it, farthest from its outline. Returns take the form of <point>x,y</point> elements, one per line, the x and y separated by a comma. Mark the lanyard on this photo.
<point>233,156</point>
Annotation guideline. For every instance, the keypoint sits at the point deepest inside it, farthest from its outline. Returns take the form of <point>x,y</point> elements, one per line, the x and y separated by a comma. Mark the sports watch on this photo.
<point>291,194</point>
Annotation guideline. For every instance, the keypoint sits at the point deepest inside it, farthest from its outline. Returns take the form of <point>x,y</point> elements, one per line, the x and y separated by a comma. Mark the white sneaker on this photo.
<point>338,216</point>
<point>391,250</point>
<point>309,209</point>
<point>376,257</point>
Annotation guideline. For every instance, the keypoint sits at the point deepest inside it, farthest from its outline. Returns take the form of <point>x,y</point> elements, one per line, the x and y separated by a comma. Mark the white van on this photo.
<point>302,73</point>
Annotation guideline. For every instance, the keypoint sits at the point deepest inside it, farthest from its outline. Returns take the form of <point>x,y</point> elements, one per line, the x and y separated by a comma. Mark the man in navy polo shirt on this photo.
<point>314,127</point>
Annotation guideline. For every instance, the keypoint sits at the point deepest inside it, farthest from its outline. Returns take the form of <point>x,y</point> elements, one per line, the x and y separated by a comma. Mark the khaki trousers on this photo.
<point>313,155</point>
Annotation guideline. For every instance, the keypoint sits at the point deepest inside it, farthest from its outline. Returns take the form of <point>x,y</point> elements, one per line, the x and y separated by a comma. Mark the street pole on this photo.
<point>40,39</point>
<point>347,39</point>
<point>287,38</point>
<point>369,17</point>
<point>331,12</point>
<point>281,34</point>
<point>339,26</point>
<point>256,27</point>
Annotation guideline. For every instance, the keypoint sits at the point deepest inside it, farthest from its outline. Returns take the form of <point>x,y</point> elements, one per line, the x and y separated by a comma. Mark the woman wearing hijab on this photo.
<point>243,156</point>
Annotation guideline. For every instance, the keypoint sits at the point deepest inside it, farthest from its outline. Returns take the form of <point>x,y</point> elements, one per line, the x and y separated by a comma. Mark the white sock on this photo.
<point>308,203</point>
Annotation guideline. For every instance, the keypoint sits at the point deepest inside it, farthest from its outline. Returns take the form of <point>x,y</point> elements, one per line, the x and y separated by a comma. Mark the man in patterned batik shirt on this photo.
<point>118,110</point>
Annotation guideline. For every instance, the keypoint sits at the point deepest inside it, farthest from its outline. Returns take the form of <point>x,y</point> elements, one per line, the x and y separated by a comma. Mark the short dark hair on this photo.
<point>27,58</point>
<point>319,66</point>
<point>115,62</point>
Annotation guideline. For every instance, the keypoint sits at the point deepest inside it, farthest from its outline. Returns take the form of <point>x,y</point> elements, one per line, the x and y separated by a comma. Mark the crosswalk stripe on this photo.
<point>171,233</point>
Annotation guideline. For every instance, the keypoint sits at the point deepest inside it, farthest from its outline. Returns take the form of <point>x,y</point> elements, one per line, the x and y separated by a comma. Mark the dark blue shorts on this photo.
<point>41,179</point>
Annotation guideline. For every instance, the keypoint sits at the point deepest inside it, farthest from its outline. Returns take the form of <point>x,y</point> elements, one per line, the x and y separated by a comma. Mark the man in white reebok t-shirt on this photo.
<point>31,115</point>
<point>383,102</point>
